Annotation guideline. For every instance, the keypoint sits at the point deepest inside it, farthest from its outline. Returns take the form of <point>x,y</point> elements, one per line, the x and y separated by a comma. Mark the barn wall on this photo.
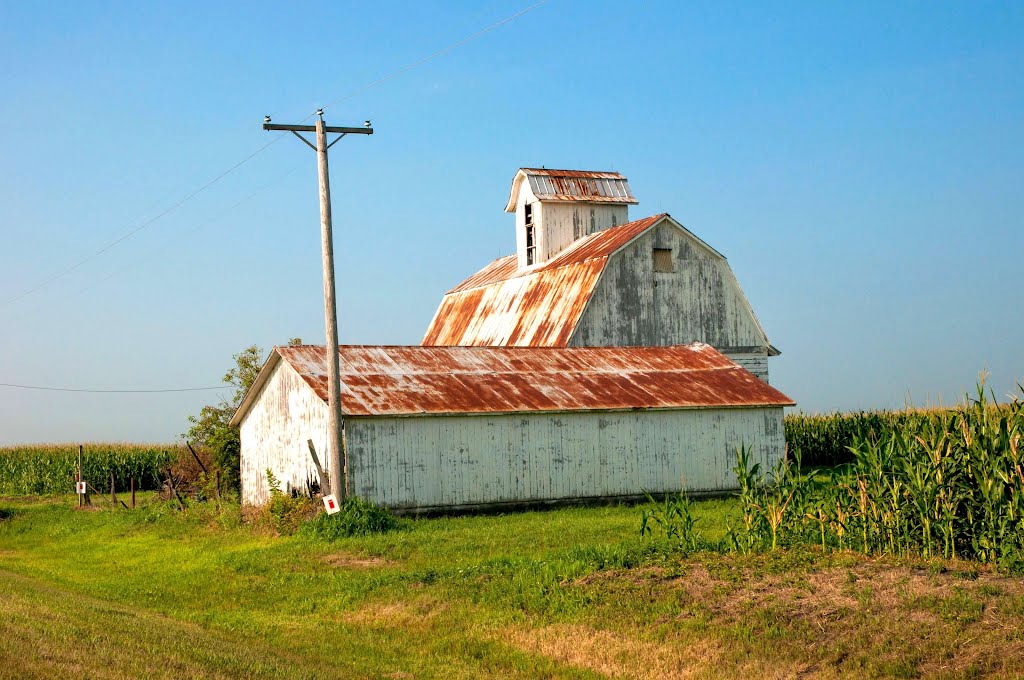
<point>699,301</point>
<point>285,414</point>
<point>565,223</point>
<point>755,362</point>
<point>449,461</point>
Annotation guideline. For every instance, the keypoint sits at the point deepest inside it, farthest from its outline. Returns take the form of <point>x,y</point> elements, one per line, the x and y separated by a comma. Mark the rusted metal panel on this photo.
<point>399,381</point>
<point>500,270</point>
<point>538,307</point>
<point>578,174</point>
<point>575,188</point>
<point>451,461</point>
<point>571,185</point>
<point>622,300</point>
<point>604,243</point>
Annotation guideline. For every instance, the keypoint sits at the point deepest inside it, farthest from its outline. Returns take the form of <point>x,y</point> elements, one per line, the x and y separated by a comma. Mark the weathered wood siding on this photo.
<point>557,225</point>
<point>562,224</point>
<point>755,362</point>
<point>451,461</point>
<point>700,300</point>
<point>285,414</point>
<point>525,196</point>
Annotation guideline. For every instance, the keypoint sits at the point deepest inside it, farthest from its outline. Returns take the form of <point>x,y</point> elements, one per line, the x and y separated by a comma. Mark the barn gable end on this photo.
<point>280,415</point>
<point>667,287</point>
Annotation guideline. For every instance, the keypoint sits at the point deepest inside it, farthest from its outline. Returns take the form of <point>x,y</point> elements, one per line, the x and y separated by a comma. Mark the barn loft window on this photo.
<point>663,260</point>
<point>531,241</point>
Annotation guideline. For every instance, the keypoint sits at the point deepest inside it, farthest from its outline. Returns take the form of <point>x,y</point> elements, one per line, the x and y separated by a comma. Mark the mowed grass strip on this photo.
<point>46,631</point>
<point>570,593</point>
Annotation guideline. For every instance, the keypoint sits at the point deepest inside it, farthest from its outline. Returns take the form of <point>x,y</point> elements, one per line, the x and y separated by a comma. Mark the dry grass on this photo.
<point>615,654</point>
<point>867,618</point>
<point>417,614</point>
<point>344,560</point>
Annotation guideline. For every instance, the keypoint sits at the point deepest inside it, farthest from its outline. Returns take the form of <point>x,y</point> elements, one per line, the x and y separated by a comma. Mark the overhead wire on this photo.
<point>435,55</point>
<point>159,247</point>
<point>139,228</point>
<point>394,74</point>
<point>210,183</point>
<point>113,391</point>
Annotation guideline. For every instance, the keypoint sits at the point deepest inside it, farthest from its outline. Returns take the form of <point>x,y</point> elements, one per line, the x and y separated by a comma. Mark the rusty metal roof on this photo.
<point>500,270</point>
<point>572,185</point>
<point>398,381</point>
<point>581,174</point>
<point>540,306</point>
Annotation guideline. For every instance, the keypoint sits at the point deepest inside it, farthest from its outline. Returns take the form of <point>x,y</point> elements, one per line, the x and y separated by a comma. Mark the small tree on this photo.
<point>211,428</point>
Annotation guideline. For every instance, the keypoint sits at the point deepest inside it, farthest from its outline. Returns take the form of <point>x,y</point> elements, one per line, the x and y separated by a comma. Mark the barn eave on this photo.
<point>254,389</point>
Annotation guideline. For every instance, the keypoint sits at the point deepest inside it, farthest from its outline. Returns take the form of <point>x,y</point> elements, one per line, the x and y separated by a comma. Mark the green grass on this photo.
<point>568,593</point>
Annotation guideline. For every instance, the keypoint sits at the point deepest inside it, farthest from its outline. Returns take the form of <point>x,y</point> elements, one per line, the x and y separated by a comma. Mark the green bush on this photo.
<point>356,518</point>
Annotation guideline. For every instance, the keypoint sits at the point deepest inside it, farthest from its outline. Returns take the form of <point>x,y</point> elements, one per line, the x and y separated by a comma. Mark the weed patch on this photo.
<point>948,485</point>
<point>356,518</point>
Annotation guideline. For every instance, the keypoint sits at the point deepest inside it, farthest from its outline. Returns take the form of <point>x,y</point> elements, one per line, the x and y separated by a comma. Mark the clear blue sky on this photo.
<point>861,165</point>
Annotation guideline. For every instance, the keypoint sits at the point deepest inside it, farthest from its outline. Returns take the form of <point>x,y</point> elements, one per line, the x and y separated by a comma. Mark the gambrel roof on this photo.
<point>502,305</point>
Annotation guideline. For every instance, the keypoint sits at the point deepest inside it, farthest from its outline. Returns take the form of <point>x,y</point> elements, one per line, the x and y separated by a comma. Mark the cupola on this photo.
<point>555,208</point>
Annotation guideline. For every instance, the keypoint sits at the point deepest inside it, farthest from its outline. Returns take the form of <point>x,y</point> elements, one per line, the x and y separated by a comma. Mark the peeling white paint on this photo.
<point>274,433</point>
<point>446,462</point>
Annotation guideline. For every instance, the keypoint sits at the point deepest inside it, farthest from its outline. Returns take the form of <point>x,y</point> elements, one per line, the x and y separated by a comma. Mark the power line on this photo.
<point>379,81</point>
<point>160,247</point>
<point>97,391</point>
<point>139,228</point>
<point>435,55</point>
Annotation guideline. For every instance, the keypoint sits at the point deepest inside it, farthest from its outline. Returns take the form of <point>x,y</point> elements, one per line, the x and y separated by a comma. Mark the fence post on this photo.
<point>174,490</point>
<point>80,496</point>
<point>133,491</point>
<point>113,496</point>
<point>196,456</point>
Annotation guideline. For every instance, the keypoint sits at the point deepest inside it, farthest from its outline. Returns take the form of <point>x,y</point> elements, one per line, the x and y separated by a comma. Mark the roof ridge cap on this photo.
<point>693,346</point>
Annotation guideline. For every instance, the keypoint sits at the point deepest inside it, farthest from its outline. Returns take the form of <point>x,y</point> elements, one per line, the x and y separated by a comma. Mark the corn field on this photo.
<point>948,484</point>
<point>825,439</point>
<point>41,469</point>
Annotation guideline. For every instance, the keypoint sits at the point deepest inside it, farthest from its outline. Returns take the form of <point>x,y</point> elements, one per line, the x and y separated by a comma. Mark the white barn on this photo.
<point>429,428</point>
<point>585,275</point>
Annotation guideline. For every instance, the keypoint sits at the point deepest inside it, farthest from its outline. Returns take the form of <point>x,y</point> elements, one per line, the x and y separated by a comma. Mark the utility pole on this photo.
<point>335,452</point>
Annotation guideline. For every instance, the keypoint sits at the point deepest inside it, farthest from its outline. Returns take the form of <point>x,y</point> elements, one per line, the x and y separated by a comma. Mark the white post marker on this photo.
<point>331,503</point>
<point>80,488</point>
